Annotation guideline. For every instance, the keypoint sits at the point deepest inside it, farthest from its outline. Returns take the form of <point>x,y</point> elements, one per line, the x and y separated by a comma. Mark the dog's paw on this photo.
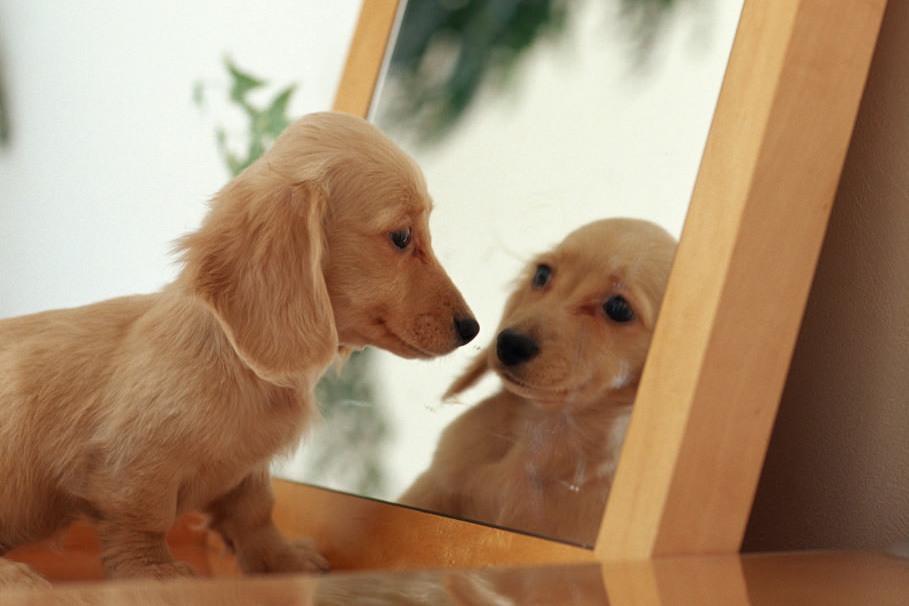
<point>310,557</point>
<point>15,575</point>
<point>170,570</point>
<point>160,571</point>
<point>300,555</point>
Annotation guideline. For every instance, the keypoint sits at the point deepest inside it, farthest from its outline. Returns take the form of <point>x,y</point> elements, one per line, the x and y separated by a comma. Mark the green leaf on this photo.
<point>275,117</point>
<point>242,83</point>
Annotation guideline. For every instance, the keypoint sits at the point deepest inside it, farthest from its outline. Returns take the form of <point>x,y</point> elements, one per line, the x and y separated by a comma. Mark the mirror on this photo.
<point>601,110</point>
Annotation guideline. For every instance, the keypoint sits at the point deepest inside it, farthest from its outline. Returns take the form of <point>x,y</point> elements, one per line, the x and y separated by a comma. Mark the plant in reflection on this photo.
<point>343,452</point>
<point>446,49</point>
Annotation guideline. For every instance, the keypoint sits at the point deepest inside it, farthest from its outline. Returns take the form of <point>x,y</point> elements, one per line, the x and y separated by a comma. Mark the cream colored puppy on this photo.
<point>540,454</point>
<point>132,411</point>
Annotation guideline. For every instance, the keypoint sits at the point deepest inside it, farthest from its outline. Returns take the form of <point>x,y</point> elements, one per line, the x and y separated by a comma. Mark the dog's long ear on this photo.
<point>257,262</point>
<point>470,376</point>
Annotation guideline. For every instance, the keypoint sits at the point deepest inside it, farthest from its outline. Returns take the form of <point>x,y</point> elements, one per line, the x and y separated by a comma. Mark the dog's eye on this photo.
<point>542,276</point>
<point>400,238</point>
<point>618,309</point>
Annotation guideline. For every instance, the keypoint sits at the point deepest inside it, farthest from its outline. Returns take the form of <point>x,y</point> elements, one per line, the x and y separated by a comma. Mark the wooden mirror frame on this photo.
<point>721,349</point>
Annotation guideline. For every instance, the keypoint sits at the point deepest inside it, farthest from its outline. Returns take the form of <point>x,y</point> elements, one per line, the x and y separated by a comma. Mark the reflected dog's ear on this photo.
<point>257,262</point>
<point>469,378</point>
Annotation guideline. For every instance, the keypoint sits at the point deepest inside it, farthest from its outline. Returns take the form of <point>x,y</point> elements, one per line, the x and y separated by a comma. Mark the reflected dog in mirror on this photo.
<point>539,455</point>
<point>135,410</point>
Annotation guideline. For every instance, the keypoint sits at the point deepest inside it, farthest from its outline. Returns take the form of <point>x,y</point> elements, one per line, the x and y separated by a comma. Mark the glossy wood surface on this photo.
<point>357,532</point>
<point>829,578</point>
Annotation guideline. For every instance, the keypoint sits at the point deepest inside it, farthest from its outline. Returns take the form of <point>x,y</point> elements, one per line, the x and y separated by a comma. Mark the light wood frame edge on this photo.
<point>733,307</point>
<point>729,322</point>
<point>365,57</point>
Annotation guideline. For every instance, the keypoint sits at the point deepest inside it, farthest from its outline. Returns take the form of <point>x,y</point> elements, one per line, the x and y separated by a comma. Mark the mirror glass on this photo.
<point>529,119</point>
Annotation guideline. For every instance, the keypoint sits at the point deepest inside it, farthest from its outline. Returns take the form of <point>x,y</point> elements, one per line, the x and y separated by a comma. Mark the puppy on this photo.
<point>539,455</point>
<point>132,411</point>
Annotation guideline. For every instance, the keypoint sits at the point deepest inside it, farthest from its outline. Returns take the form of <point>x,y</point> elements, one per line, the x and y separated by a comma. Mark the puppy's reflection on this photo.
<point>539,456</point>
<point>543,586</point>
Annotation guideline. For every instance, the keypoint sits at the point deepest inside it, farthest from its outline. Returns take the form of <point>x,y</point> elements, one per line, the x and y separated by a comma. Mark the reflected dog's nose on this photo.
<point>467,329</point>
<point>514,347</point>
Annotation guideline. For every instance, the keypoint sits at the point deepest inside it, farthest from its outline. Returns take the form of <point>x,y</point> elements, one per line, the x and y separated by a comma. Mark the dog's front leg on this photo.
<point>243,517</point>
<point>133,542</point>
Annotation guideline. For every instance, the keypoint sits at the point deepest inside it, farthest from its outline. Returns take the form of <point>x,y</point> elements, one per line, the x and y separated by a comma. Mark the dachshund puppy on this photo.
<point>132,411</point>
<point>539,455</point>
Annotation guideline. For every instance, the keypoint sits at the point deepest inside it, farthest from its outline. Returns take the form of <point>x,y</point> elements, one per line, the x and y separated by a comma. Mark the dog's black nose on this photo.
<point>467,329</point>
<point>514,347</point>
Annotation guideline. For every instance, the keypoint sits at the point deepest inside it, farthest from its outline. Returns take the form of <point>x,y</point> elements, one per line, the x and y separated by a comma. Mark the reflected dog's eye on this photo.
<point>542,276</point>
<point>400,238</point>
<point>618,309</point>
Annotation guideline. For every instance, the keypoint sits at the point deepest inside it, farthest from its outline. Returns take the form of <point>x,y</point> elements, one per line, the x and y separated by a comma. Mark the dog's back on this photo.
<point>50,365</point>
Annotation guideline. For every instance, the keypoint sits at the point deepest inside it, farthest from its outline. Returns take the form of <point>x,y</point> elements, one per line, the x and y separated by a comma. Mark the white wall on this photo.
<point>110,159</point>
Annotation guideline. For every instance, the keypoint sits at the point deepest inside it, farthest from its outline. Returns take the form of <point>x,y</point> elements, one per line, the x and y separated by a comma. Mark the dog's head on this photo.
<point>321,244</point>
<point>578,325</point>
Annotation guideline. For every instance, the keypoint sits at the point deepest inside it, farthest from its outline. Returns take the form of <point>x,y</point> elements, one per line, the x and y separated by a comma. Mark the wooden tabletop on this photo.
<point>837,577</point>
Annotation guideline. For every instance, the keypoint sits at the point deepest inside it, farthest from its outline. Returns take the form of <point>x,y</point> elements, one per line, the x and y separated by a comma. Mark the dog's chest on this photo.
<point>555,469</point>
<point>557,459</point>
<point>242,443</point>
<point>566,449</point>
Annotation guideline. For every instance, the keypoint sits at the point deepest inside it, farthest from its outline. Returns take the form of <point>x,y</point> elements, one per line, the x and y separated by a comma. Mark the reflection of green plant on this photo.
<point>352,420</point>
<point>346,398</point>
<point>645,20</point>
<point>445,50</point>
<point>472,40</point>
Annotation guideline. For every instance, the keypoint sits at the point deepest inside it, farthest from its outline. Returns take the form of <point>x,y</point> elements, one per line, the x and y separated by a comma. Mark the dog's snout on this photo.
<point>514,347</point>
<point>467,329</point>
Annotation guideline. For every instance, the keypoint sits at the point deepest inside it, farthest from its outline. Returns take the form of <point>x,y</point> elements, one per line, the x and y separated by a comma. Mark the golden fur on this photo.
<point>132,411</point>
<point>540,454</point>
